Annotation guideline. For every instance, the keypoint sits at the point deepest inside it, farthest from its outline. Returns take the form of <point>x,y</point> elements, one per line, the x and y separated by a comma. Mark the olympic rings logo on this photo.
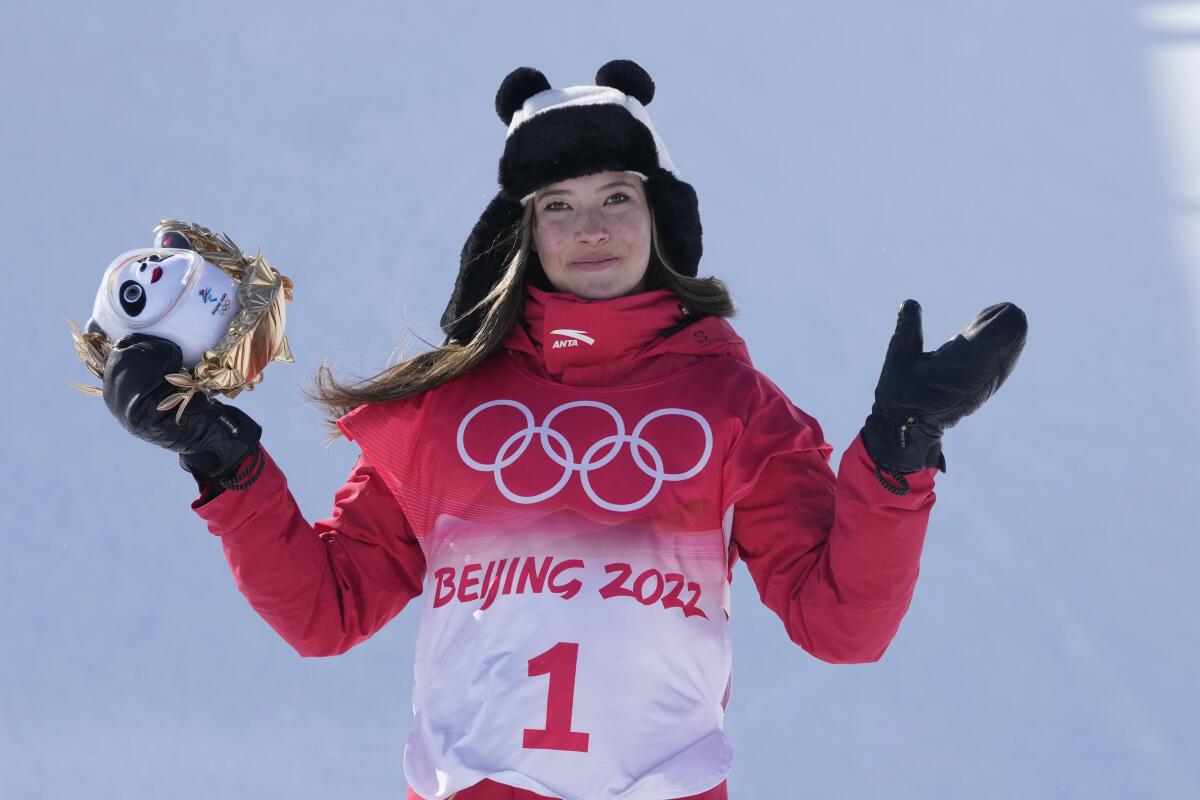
<point>563,455</point>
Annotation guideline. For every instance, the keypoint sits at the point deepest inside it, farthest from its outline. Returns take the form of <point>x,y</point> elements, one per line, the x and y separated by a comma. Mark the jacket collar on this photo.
<point>594,342</point>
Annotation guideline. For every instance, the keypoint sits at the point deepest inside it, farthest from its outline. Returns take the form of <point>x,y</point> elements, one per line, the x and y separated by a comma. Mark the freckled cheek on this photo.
<point>551,244</point>
<point>634,232</point>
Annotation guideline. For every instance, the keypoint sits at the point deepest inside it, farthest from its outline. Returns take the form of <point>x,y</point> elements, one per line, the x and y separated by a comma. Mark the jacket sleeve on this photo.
<point>325,587</point>
<point>835,558</point>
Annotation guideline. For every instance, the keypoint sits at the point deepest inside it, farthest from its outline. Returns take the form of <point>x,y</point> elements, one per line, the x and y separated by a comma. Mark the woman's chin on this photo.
<point>600,292</point>
<point>600,288</point>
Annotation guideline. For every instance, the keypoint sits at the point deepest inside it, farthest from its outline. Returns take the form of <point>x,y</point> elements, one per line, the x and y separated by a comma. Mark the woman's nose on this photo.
<point>592,228</point>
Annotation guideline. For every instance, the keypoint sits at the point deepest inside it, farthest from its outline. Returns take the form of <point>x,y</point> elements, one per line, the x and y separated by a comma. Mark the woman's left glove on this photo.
<point>920,394</point>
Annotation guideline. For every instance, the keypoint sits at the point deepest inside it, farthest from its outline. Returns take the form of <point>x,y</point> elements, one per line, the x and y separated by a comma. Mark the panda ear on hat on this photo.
<point>628,77</point>
<point>517,87</point>
<point>524,82</point>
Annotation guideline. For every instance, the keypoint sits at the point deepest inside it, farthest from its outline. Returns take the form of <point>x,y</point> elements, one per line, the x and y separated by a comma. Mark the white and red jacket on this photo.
<point>571,512</point>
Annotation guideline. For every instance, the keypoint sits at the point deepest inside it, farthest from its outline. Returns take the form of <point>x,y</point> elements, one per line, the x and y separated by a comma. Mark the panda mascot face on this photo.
<point>167,292</point>
<point>149,285</point>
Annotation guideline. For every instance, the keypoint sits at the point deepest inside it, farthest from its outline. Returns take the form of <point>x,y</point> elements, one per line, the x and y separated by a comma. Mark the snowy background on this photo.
<point>846,156</point>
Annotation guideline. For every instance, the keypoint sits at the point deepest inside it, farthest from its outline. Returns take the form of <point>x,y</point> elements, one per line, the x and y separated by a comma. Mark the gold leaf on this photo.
<point>173,400</point>
<point>284,352</point>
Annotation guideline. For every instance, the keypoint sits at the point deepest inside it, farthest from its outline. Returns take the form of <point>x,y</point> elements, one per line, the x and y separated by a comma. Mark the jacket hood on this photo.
<point>598,342</point>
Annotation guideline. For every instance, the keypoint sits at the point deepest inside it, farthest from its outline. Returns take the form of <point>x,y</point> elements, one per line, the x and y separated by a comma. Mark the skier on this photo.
<point>570,478</point>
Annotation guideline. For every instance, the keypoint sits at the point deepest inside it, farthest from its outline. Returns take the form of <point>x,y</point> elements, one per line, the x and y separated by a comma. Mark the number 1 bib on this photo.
<point>576,660</point>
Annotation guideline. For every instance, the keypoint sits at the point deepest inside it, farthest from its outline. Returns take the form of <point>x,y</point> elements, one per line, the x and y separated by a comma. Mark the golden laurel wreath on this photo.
<point>253,339</point>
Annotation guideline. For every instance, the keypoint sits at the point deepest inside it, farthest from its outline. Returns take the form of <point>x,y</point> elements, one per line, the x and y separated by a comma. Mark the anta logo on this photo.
<point>573,339</point>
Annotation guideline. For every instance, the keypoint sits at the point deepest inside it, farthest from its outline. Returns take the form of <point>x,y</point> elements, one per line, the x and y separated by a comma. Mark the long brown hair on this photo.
<point>502,308</point>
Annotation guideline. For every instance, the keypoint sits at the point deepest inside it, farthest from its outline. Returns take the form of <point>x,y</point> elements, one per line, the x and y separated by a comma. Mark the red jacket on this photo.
<point>835,559</point>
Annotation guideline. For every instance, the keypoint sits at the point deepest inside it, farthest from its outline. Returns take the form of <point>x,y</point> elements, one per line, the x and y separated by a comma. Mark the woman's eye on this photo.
<point>619,197</point>
<point>555,205</point>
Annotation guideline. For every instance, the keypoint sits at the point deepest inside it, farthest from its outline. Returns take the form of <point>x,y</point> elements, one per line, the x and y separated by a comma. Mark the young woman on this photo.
<point>569,480</point>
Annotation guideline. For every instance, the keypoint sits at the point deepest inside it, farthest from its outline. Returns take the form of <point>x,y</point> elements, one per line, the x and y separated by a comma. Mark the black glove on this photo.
<point>920,395</point>
<point>212,438</point>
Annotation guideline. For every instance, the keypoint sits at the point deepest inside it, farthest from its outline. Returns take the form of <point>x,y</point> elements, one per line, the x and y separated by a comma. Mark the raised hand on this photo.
<point>921,394</point>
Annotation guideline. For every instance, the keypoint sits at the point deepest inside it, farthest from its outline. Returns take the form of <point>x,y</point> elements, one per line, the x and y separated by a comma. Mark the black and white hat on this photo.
<point>556,134</point>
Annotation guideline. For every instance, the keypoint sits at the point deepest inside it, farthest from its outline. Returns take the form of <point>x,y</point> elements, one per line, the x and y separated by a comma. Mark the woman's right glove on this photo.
<point>920,394</point>
<point>212,439</point>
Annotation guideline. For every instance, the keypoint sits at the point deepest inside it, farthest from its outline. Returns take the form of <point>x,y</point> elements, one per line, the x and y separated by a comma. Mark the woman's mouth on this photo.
<point>594,263</point>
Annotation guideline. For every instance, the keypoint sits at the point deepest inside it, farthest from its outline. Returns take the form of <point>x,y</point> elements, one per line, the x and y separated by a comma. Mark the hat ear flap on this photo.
<point>484,255</point>
<point>677,220</point>
<point>519,85</point>
<point>626,76</point>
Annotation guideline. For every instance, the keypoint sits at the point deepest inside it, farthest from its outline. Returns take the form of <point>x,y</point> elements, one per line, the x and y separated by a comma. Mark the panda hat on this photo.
<point>556,134</point>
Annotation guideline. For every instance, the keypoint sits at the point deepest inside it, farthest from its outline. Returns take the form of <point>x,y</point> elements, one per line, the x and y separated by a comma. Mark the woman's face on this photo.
<point>592,234</point>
